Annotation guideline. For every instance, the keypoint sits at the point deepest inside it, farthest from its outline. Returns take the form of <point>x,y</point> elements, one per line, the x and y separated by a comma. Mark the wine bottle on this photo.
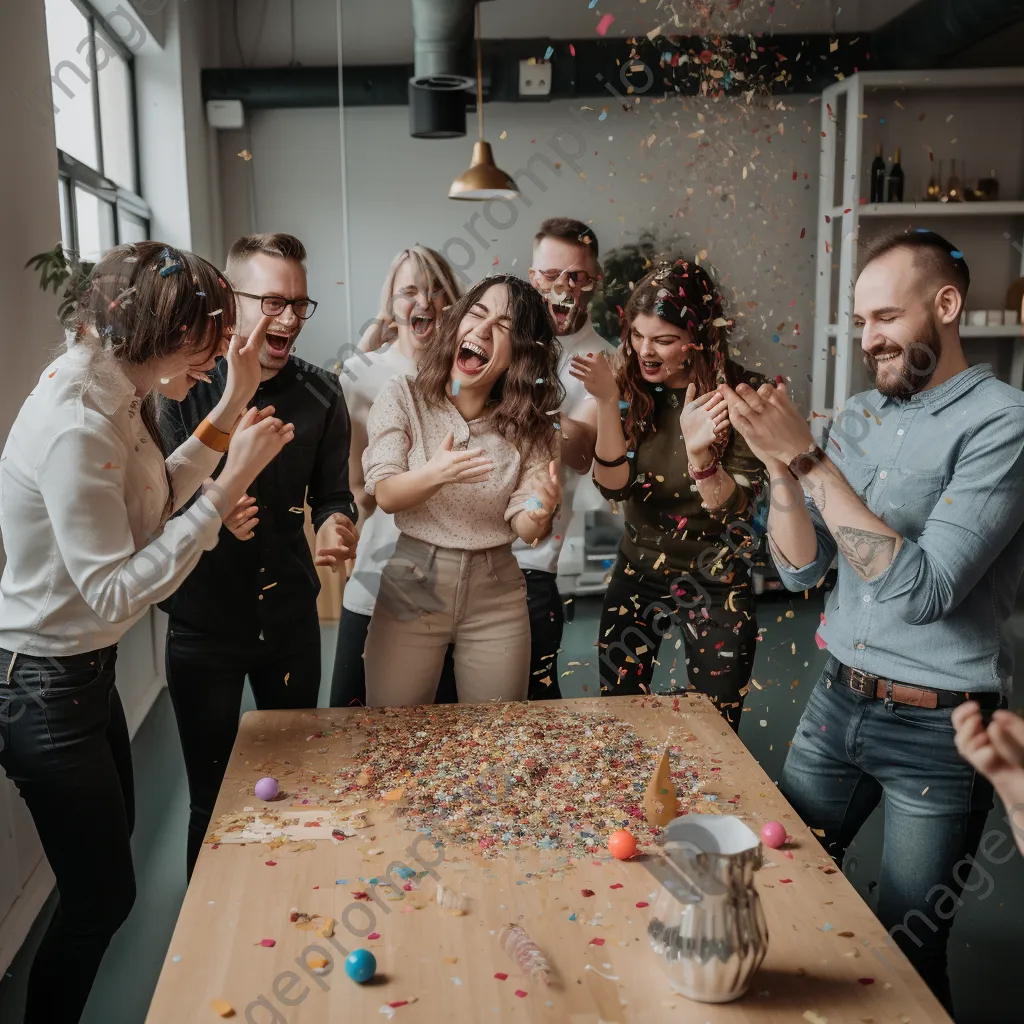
<point>894,181</point>
<point>954,187</point>
<point>878,177</point>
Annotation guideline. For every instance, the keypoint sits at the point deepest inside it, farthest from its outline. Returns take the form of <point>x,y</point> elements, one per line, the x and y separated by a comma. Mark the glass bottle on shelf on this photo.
<point>934,190</point>
<point>878,177</point>
<point>894,181</point>
<point>954,188</point>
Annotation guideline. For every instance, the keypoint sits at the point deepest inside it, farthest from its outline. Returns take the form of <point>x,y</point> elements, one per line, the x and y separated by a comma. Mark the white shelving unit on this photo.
<point>972,115</point>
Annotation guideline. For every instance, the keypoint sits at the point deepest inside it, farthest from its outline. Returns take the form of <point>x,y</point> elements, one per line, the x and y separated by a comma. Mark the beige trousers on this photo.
<point>431,597</point>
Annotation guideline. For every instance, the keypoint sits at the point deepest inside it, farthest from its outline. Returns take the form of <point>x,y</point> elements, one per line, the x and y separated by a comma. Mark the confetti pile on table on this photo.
<point>511,775</point>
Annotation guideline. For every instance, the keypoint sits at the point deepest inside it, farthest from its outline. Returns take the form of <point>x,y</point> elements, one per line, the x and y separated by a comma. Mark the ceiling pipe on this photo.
<point>597,69</point>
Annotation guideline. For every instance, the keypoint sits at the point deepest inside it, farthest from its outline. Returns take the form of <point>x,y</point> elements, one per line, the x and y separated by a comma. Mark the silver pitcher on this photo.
<point>707,923</point>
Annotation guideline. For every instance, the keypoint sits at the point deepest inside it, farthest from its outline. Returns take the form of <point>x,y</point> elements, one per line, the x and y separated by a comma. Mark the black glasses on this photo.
<point>275,305</point>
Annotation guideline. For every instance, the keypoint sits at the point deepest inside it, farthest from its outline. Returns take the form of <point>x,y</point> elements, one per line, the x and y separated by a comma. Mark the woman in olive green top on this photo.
<point>688,483</point>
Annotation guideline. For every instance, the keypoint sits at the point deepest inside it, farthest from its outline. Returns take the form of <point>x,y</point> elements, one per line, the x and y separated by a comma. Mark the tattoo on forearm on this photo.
<point>817,493</point>
<point>870,554</point>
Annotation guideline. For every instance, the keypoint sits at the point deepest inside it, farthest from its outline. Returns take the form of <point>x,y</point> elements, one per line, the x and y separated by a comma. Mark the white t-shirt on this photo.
<point>545,555</point>
<point>362,377</point>
<point>82,499</point>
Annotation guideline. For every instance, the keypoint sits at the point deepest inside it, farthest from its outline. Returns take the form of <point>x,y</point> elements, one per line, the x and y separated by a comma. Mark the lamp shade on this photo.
<point>483,180</point>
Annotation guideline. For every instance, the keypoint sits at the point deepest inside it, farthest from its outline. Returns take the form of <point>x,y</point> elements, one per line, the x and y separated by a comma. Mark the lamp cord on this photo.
<point>479,78</point>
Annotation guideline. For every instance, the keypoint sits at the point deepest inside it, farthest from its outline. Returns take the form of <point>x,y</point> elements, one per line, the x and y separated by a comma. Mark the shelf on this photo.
<point>965,332</point>
<point>997,208</point>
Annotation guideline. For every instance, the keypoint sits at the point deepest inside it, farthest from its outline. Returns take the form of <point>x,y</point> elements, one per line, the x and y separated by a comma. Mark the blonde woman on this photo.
<point>418,287</point>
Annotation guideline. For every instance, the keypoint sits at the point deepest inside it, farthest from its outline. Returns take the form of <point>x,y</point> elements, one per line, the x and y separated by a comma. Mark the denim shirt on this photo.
<point>945,470</point>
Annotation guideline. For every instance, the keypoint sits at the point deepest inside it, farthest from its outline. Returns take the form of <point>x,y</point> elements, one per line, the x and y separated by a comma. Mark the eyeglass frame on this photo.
<point>287,303</point>
<point>569,275</point>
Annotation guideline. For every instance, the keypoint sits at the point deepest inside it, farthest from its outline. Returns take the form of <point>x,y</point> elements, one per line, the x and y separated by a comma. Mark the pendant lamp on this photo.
<point>483,180</point>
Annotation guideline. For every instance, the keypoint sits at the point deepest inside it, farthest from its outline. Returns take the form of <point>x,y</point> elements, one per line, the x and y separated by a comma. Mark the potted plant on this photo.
<point>59,268</point>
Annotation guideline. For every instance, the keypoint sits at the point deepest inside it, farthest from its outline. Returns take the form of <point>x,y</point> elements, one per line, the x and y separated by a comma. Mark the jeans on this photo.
<point>64,744</point>
<point>205,677</point>
<point>642,608</point>
<point>348,681</point>
<point>547,618</point>
<point>848,753</point>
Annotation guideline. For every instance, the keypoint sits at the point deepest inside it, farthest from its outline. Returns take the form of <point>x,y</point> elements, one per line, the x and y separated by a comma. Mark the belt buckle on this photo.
<point>859,682</point>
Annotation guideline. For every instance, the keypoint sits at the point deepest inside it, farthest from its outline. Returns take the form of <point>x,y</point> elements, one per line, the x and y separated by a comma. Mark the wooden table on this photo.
<point>824,941</point>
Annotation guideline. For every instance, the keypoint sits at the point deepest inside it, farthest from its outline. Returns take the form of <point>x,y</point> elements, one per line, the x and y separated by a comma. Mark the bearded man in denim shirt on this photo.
<point>921,496</point>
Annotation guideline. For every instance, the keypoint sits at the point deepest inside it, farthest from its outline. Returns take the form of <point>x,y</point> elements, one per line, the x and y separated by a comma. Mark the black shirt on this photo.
<point>269,584</point>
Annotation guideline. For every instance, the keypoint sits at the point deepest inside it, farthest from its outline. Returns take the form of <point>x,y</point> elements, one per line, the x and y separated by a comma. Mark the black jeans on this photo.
<point>643,607</point>
<point>64,744</point>
<point>348,681</point>
<point>205,676</point>
<point>547,617</point>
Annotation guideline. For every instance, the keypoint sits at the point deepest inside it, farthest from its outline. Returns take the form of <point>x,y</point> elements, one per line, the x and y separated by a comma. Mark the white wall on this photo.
<point>686,189</point>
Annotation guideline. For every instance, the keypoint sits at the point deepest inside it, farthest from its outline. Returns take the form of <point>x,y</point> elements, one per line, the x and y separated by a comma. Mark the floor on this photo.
<point>987,946</point>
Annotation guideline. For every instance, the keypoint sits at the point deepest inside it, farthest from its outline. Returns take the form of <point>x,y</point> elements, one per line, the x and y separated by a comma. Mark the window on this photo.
<point>93,77</point>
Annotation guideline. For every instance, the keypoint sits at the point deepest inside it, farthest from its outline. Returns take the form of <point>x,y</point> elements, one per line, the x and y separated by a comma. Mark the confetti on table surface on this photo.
<point>502,776</point>
<point>605,23</point>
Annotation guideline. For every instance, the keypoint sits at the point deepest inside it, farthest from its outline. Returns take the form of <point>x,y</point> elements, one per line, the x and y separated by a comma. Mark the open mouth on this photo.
<point>886,357</point>
<point>279,344</point>
<point>472,358</point>
<point>562,305</point>
<point>422,325</point>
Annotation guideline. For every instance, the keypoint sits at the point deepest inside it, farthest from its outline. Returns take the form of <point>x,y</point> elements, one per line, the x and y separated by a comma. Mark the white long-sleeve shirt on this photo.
<point>82,501</point>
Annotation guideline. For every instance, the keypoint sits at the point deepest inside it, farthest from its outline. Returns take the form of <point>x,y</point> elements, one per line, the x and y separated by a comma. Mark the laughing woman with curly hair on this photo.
<point>687,481</point>
<point>463,455</point>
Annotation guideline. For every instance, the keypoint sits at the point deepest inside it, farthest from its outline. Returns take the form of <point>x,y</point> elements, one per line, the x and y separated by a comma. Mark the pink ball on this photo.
<point>266,788</point>
<point>773,834</point>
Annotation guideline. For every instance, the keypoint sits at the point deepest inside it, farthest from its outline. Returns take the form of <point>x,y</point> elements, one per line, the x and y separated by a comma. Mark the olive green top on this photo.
<point>663,507</point>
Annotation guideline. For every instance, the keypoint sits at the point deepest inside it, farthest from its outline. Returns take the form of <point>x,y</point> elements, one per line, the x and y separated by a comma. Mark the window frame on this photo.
<point>72,173</point>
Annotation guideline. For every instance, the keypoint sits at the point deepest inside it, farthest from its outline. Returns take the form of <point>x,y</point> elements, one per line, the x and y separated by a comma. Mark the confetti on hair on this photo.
<point>216,312</point>
<point>527,954</point>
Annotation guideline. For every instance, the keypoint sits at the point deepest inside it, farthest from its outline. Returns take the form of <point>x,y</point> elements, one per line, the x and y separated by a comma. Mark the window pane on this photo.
<point>67,32</point>
<point>95,224</point>
<point>132,228</point>
<point>65,219</point>
<point>116,115</point>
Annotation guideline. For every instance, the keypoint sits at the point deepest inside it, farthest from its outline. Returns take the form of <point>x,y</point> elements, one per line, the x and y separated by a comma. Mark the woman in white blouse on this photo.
<point>462,454</point>
<point>86,492</point>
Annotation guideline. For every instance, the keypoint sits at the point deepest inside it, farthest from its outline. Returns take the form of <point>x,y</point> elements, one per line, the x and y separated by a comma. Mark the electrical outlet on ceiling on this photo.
<point>534,78</point>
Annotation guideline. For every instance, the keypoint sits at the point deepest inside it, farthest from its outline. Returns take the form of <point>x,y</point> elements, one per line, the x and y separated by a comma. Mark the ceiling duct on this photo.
<point>443,33</point>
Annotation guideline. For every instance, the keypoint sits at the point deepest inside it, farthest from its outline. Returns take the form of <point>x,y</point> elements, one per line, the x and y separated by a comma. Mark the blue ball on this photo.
<point>360,965</point>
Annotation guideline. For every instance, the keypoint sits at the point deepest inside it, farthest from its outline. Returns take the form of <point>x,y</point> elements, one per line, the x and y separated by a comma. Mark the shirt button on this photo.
<point>860,647</point>
<point>263,570</point>
<point>261,597</point>
<point>882,475</point>
<point>900,432</point>
<point>867,597</point>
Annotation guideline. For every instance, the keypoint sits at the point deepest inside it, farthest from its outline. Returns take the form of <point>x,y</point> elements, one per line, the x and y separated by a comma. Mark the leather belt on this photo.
<point>919,696</point>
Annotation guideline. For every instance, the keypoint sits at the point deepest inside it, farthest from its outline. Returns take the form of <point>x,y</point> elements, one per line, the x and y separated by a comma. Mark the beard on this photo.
<point>912,371</point>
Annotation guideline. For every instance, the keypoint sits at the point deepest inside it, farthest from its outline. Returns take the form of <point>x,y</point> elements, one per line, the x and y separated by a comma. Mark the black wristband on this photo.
<point>610,465</point>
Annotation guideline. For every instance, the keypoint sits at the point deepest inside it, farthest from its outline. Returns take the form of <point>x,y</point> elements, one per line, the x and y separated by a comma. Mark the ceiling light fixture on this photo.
<point>483,180</point>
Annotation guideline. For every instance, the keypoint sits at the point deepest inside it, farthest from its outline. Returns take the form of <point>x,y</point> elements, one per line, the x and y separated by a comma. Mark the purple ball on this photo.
<point>773,834</point>
<point>266,788</point>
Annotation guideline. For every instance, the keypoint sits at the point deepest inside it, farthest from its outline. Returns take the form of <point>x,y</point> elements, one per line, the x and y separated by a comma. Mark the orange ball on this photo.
<point>622,845</point>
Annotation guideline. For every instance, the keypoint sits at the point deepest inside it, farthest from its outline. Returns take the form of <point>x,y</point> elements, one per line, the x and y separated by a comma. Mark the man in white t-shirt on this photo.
<point>565,271</point>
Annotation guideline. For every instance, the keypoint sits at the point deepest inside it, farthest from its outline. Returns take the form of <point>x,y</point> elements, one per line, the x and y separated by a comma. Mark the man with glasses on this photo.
<point>248,609</point>
<point>565,271</point>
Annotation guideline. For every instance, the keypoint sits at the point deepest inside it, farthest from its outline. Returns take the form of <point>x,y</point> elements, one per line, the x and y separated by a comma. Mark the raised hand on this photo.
<point>259,437</point>
<point>596,375</point>
<point>547,494</point>
<point>462,467</point>
<point>704,421</point>
<point>772,426</point>
<point>244,367</point>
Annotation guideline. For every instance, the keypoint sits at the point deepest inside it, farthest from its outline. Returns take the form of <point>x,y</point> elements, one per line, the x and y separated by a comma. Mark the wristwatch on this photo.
<point>806,460</point>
